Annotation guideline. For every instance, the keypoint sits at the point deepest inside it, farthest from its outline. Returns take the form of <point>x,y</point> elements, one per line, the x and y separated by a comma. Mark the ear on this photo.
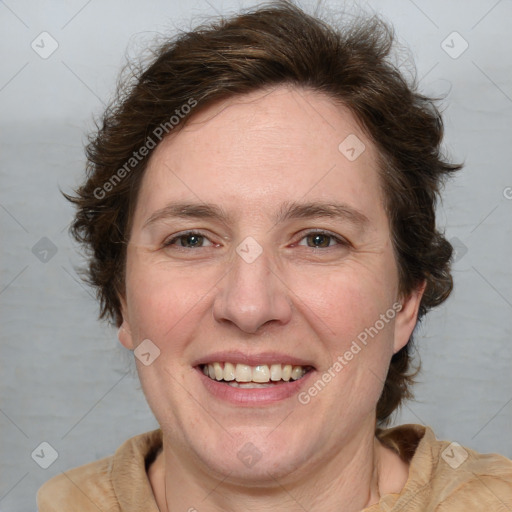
<point>407,317</point>
<point>124,333</point>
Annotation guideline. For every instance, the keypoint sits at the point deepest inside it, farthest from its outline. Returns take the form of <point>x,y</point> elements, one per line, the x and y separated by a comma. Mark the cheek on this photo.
<point>164,302</point>
<point>342,303</point>
<point>352,315</point>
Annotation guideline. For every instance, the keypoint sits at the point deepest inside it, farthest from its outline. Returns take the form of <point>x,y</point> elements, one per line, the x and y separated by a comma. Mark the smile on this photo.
<point>246,376</point>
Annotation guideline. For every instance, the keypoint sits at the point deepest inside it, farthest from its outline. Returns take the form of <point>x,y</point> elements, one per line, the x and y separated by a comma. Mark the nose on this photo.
<point>251,295</point>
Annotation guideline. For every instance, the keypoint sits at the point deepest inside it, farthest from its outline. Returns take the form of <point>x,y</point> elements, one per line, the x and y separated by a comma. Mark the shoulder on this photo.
<point>445,476</point>
<point>465,478</point>
<point>87,487</point>
<point>103,484</point>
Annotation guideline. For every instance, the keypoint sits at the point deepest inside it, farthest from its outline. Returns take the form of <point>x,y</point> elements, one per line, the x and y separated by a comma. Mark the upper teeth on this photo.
<point>246,373</point>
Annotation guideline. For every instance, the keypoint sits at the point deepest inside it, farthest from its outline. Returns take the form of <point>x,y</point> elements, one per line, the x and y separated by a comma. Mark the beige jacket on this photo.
<point>443,477</point>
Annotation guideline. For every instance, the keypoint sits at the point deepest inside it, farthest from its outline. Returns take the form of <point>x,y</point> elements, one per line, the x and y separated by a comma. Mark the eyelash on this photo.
<point>340,241</point>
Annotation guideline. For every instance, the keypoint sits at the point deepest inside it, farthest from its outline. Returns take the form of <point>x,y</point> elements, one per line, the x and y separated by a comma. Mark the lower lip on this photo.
<point>254,396</point>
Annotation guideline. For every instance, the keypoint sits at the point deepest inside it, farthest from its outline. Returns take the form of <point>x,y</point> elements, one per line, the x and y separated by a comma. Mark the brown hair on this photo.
<point>271,45</point>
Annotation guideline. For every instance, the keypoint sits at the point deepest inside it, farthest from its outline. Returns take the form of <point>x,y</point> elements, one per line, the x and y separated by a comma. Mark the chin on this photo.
<point>255,457</point>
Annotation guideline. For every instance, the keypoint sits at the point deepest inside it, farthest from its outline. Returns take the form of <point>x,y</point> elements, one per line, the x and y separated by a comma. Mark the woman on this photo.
<point>259,207</point>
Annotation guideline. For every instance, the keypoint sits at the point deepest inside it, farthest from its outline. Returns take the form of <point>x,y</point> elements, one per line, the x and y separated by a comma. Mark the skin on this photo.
<point>250,155</point>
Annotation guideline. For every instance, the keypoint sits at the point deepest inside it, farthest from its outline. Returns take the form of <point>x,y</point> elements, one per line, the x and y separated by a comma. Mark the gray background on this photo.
<point>65,379</point>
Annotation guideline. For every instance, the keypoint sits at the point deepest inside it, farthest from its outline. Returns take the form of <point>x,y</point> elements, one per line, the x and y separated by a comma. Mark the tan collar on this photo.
<point>129,472</point>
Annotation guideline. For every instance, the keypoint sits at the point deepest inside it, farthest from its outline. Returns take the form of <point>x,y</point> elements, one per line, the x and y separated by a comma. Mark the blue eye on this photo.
<point>188,240</point>
<point>321,240</point>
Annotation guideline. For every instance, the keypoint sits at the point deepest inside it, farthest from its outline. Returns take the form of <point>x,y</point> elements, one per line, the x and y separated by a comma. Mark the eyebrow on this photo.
<point>287,211</point>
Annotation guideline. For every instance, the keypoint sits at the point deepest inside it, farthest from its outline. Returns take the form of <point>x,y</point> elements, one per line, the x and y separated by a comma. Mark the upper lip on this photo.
<point>267,358</point>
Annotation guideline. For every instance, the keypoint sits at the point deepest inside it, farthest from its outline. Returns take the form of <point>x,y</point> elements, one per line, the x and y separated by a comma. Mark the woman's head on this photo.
<point>258,115</point>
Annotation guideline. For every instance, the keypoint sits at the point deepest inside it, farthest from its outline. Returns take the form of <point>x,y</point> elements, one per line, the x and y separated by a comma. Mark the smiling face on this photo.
<point>256,241</point>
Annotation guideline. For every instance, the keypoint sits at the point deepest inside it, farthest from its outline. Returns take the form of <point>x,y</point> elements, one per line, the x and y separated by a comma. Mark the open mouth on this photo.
<point>251,377</point>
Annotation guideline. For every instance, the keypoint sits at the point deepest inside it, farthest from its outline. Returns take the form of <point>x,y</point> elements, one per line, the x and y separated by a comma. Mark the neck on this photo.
<point>350,480</point>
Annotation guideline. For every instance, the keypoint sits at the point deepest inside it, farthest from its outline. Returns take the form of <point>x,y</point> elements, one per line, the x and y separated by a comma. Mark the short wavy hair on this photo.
<point>267,46</point>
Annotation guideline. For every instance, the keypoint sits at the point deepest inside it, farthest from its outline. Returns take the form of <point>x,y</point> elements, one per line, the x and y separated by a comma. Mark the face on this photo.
<point>259,244</point>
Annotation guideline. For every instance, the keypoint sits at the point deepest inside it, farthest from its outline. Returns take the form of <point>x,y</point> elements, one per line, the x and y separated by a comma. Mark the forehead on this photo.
<point>257,151</point>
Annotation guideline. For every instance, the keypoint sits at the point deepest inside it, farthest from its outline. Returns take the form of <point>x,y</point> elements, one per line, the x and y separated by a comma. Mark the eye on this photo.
<point>322,240</point>
<point>196,240</point>
<point>188,240</point>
